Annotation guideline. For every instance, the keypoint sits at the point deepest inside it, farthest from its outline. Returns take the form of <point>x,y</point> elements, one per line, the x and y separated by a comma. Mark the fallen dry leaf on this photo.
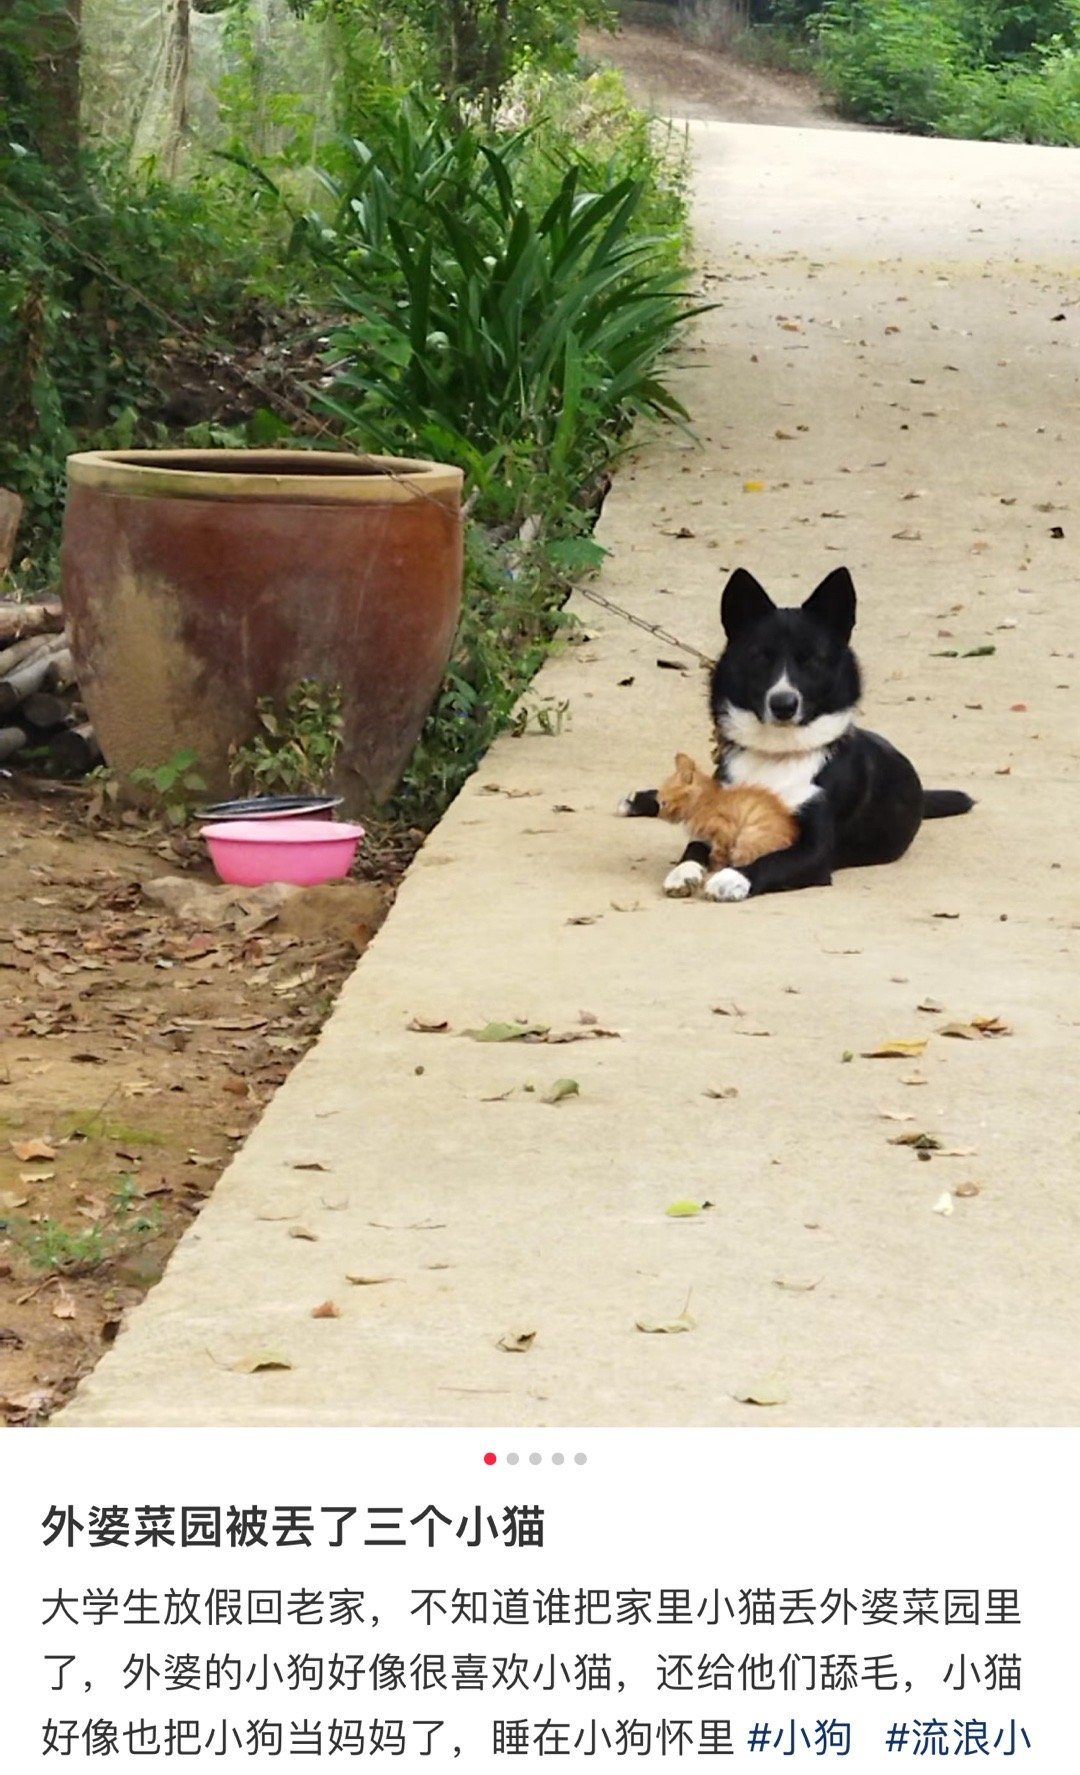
<point>914,1078</point>
<point>895,1050</point>
<point>303,1232</point>
<point>326,1310</point>
<point>929,1004</point>
<point>10,1200</point>
<point>507,1032</point>
<point>796,1287</point>
<point>896,1115</point>
<point>924,1143</point>
<point>428,1025</point>
<point>719,1092</point>
<point>257,1362</point>
<point>560,1090</point>
<point>682,1323</point>
<point>374,1281</point>
<point>25,1150</point>
<point>968,1189</point>
<point>976,1029</point>
<point>27,1405</point>
<point>517,1340</point>
<point>309,1165</point>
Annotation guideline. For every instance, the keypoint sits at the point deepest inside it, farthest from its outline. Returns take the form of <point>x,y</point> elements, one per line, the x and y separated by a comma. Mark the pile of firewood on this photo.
<point>40,711</point>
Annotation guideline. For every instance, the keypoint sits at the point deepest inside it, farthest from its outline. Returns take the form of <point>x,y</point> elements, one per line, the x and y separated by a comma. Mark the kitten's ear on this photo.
<point>685,768</point>
<point>832,605</point>
<point>745,601</point>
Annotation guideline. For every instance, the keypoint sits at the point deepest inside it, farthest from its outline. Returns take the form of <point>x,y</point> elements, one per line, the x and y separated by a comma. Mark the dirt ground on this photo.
<point>678,78</point>
<point>137,1049</point>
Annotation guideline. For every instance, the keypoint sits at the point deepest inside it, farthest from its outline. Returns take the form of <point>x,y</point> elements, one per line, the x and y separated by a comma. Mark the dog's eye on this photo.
<point>805,659</point>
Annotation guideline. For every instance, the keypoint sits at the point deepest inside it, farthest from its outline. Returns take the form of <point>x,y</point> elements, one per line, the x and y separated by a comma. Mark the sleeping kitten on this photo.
<point>735,825</point>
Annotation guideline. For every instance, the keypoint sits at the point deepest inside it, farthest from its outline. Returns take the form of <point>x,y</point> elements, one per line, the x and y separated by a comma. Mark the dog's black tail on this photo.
<point>941,804</point>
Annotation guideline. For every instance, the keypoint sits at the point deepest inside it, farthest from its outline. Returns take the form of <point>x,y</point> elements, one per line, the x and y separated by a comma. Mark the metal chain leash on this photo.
<point>653,628</point>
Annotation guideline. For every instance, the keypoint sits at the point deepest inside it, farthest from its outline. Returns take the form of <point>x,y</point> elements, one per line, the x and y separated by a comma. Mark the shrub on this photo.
<point>1006,69</point>
<point>516,339</point>
<point>894,61</point>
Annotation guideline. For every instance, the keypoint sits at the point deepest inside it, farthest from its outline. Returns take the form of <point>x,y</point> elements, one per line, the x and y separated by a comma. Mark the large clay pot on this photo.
<point>197,581</point>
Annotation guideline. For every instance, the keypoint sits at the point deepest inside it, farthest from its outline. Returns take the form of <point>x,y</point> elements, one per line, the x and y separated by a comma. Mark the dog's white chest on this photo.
<point>791,776</point>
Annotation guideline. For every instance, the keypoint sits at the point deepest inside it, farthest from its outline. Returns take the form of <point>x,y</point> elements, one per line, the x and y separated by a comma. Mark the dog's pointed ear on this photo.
<point>833,604</point>
<point>685,767</point>
<point>745,601</point>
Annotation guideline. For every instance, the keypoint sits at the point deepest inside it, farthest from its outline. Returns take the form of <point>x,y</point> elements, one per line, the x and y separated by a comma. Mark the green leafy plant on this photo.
<point>517,340</point>
<point>172,785</point>
<point>49,1245</point>
<point>298,745</point>
<point>547,714</point>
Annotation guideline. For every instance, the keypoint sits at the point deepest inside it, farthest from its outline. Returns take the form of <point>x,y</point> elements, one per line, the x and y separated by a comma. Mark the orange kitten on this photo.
<point>739,824</point>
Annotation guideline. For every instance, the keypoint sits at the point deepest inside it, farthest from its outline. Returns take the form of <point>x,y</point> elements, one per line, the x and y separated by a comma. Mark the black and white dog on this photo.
<point>783,697</point>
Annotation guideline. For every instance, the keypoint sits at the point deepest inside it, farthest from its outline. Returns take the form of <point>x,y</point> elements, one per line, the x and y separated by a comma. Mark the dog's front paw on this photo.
<point>683,880</point>
<point>727,884</point>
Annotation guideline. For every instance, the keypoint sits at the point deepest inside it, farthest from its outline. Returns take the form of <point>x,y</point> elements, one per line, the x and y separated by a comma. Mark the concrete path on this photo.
<point>893,362</point>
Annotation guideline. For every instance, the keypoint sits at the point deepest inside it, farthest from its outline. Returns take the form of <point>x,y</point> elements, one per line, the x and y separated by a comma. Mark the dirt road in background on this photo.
<point>675,77</point>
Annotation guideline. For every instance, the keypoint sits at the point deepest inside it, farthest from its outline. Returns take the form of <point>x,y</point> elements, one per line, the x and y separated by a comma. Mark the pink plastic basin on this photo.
<point>248,853</point>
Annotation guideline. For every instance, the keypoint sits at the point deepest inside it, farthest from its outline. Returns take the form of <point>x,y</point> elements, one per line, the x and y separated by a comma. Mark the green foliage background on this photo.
<point>996,69</point>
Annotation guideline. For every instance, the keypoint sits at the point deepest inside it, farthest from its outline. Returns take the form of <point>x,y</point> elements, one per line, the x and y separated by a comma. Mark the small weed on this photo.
<point>172,785</point>
<point>544,715</point>
<point>93,1124</point>
<point>48,1245</point>
<point>65,1251</point>
<point>126,1194</point>
<point>297,749</point>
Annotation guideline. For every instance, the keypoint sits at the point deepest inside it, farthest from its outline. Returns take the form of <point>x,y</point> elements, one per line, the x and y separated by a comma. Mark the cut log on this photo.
<point>20,651</point>
<point>11,510</point>
<point>17,620</point>
<point>61,672</point>
<point>43,708</point>
<point>16,686</point>
<point>12,740</point>
<point>75,749</point>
